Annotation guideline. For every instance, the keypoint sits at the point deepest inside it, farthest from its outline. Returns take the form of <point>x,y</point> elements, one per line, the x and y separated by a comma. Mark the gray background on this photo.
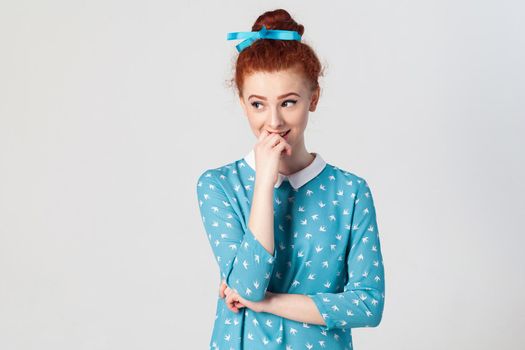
<point>109,111</point>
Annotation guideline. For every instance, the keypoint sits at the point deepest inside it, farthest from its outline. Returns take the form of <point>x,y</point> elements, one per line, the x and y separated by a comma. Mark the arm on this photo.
<point>362,301</point>
<point>244,263</point>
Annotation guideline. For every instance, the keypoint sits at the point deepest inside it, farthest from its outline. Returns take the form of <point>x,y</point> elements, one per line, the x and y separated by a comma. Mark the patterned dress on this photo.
<point>326,247</point>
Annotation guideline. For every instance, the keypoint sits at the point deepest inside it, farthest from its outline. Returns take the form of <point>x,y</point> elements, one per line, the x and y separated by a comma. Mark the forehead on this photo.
<point>273,84</point>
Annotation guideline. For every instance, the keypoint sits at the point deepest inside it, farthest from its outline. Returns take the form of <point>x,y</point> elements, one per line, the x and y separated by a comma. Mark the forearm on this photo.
<point>296,307</point>
<point>261,221</point>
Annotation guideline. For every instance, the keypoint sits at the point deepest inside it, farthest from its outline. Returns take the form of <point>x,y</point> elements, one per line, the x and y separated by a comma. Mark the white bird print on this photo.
<point>255,322</point>
<point>308,263</point>
<point>349,313</point>
<point>333,246</point>
<point>300,254</point>
<point>332,217</point>
<point>265,341</point>
<point>335,308</point>
<point>327,284</point>
<point>321,204</point>
<point>365,274</point>
<point>374,302</point>
<point>214,209</point>
<point>346,212</point>
<point>293,331</point>
<point>318,248</point>
<point>235,321</point>
<point>245,264</point>
<point>278,201</point>
<point>309,346</point>
<point>376,263</point>
<point>250,336</point>
<point>232,246</point>
<point>349,183</point>
<point>279,340</point>
<point>356,302</point>
<point>360,257</point>
<point>304,222</point>
<point>364,239</point>
<point>322,187</point>
<point>281,227</point>
<point>301,209</point>
<point>325,264</point>
<point>331,177</point>
<point>278,275</point>
<point>322,228</point>
<point>227,337</point>
<point>257,258</point>
<point>248,292</point>
<point>374,248</point>
<point>227,321</point>
<point>335,203</point>
<point>315,216</point>
<point>282,246</point>
<point>295,283</point>
<point>288,347</point>
<point>295,234</point>
<point>377,278</point>
<point>338,237</point>
<point>237,188</point>
<point>321,342</point>
<point>371,228</point>
<point>269,323</point>
<point>365,211</point>
<point>311,276</point>
<point>368,313</point>
<point>308,235</point>
<point>326,300</point>
<point>306,325</point>
<point>215,224</point>
<point>309,192</point>
<point>340,193</point>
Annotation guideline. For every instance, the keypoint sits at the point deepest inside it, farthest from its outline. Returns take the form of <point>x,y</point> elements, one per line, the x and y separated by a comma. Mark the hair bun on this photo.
<point>277,19</point>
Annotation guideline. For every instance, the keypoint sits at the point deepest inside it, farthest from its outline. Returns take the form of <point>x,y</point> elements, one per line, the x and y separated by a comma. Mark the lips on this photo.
<point>284,133</point>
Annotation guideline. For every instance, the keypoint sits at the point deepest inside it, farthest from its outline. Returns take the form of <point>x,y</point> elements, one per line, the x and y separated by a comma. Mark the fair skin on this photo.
<point>274,102</point>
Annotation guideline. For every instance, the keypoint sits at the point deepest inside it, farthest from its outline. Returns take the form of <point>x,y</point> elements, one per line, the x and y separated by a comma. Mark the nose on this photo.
<point>275,119</point>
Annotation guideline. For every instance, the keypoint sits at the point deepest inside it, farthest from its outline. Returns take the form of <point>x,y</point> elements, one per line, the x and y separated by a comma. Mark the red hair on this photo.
<point>269,55</point>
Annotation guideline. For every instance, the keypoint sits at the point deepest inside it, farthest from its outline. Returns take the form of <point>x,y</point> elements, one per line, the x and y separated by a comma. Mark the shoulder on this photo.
<point>215,176</point>
<point>346,177</point>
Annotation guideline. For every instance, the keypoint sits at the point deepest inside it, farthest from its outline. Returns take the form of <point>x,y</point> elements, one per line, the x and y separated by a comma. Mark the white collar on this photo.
<point>298,178</point>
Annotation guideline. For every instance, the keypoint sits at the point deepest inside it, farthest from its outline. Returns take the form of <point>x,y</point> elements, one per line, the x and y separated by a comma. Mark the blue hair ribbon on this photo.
<point>263,33</point>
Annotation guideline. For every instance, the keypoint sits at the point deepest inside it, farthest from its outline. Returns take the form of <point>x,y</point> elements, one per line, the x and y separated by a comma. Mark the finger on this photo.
<point>222,289</point>
<point>262,135</point>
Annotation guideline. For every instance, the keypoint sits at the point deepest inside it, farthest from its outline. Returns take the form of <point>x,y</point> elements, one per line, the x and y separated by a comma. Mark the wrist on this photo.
<point>268,304</point>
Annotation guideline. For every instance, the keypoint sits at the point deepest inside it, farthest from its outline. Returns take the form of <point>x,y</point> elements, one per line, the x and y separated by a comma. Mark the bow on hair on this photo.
<point>263,33</point>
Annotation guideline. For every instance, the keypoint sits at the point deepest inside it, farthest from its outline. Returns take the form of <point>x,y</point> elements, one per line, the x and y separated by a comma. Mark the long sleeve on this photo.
<point>362,301</point>
<point>244,263</point>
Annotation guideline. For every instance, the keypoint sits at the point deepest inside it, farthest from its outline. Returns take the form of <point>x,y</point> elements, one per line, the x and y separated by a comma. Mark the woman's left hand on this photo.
<point>234,301</point>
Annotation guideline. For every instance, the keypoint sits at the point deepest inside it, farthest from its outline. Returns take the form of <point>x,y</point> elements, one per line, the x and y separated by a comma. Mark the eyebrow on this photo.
<point>279,97</point>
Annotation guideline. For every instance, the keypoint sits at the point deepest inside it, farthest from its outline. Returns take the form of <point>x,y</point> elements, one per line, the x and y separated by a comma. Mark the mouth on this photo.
<point>283,134</point>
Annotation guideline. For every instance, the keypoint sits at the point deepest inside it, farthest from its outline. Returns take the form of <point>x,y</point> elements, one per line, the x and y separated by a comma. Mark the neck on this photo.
<point>299,159</point>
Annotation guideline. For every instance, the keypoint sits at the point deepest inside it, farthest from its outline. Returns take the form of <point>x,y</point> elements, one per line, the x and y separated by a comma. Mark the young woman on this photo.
<point>295,237</point>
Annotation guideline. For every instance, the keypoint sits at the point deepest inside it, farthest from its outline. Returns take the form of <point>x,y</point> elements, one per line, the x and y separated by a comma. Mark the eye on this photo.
<point>293,101</point>
<point>255,104</point>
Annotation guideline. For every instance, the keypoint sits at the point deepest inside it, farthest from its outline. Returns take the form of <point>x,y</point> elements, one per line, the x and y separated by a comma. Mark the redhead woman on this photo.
<point>295,237</point>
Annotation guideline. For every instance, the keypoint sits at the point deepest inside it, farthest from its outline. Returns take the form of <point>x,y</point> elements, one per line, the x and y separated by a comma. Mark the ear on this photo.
<point>243,105</point>
<point>315,99</point>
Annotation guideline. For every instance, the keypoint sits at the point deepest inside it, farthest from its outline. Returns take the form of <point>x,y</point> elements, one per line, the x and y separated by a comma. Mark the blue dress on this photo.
<point>326,247</point>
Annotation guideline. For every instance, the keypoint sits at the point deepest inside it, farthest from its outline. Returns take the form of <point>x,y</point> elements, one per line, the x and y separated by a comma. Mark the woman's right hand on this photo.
<point>268,152</point>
